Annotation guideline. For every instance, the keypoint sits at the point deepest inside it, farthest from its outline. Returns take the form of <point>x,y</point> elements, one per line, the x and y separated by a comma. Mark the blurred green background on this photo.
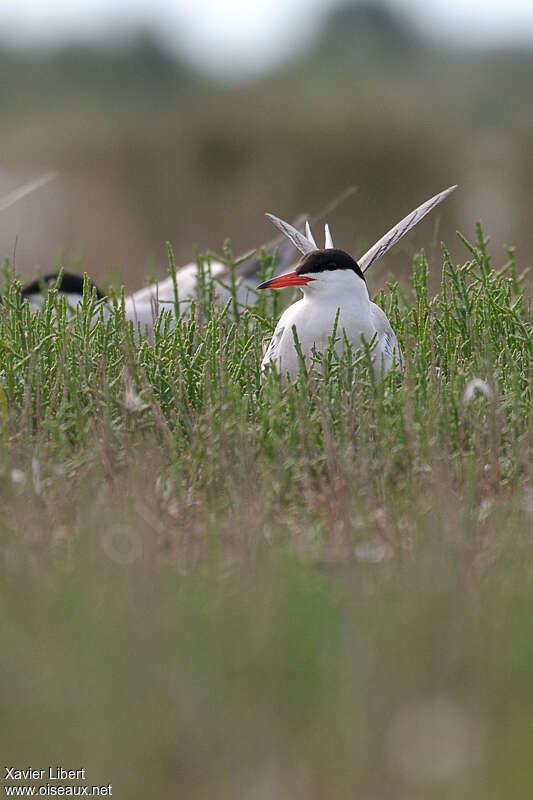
<point>150,148</point>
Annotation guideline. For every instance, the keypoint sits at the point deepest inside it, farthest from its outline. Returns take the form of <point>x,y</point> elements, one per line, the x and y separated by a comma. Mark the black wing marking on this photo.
<point>391,349</point>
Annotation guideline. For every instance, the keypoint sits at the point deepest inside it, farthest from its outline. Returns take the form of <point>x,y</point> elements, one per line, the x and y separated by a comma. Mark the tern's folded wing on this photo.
<point>387,344</point>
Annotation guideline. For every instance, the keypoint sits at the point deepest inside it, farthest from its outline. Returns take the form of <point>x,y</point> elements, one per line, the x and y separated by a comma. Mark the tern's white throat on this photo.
<point>340,286</point>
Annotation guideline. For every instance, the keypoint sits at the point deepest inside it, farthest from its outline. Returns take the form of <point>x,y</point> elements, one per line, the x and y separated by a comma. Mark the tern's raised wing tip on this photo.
<point>309,236</point>
<point>298,239</point>
<point>401,228</point>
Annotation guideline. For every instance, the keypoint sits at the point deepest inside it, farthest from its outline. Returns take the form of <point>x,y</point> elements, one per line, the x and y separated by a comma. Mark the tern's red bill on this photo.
<point>290,279</point>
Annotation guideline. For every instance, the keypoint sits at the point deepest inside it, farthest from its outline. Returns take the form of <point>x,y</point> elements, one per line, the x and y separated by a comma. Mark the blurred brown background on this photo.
<point>148,148</point>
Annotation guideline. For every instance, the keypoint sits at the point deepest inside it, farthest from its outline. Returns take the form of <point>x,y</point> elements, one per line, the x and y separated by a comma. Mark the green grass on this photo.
<point>215,586</point>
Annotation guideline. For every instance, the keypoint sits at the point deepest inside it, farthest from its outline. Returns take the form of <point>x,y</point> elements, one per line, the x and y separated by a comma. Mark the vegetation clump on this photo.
<point>259,585</point>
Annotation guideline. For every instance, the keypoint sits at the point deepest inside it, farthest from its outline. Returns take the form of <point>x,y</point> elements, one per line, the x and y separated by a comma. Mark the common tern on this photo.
<point>334,289</point>
<point>143,306</point>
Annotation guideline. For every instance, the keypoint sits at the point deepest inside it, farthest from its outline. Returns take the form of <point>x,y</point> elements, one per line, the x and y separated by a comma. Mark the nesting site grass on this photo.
<point>215,585</point>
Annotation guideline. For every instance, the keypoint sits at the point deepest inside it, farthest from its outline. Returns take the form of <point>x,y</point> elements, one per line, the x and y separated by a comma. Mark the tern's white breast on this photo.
<point>314,321</point>
<point>314,316</point>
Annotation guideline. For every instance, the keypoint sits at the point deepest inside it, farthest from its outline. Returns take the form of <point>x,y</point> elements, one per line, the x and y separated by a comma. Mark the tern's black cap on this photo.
<point>70,284</point>
<point>327,261</point>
